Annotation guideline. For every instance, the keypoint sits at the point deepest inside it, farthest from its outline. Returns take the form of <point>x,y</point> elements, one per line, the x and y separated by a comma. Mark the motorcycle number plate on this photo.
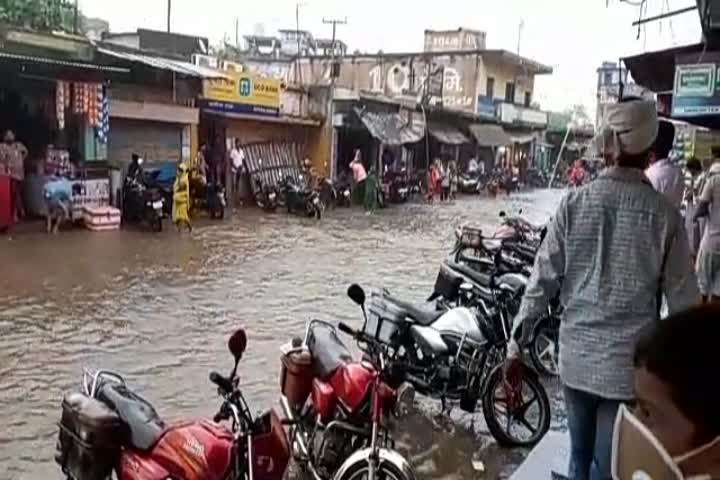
<point>272,196</point>
<point>316,200</point>
<point>346,193</point>
<point>157,204</point>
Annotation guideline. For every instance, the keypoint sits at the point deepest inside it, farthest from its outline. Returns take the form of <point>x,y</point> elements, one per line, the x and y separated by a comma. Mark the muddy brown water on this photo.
<point>159,308</point>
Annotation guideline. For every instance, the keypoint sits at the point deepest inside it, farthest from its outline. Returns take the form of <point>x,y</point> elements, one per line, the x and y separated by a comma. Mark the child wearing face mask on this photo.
<point>677,389</point>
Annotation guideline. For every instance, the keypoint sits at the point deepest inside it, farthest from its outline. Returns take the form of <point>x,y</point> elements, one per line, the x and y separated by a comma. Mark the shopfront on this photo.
<point>247,108</point>
<point>56,105</point>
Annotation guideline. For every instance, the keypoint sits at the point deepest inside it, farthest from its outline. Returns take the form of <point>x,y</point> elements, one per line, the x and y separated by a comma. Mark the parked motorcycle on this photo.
<point>266,196</point>
<point>396,187</point>
<point>109,428</point>
<point>141,204</point>
<point>456,355</point>
<point>469,183</point>
<point>338,409</point>
<point>297,196</point>
<point>343,196</point>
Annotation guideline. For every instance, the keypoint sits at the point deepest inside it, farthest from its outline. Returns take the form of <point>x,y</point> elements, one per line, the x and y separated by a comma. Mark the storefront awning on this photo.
<point>176,66</point>
<point>490,135</point>
<point>446,134</point>
<point>390,128</point>
<point>62,63</point>
<point>521,139</point>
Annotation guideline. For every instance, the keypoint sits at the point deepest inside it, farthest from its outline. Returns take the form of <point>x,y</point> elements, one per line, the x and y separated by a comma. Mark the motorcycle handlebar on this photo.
<point>225,384</point>
<point>345,328</point>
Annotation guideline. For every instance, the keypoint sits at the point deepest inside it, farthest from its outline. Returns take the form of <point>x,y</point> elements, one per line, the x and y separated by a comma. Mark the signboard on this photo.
<point>242,93</point>
<point>486,107</point>
<point>697,90</point>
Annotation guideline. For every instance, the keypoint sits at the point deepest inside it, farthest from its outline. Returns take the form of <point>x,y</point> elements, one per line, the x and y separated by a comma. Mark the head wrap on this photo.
<point>628,128</point>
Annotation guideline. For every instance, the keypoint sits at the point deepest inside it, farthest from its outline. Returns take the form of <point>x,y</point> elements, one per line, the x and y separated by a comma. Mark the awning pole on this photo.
<point>557,162</point>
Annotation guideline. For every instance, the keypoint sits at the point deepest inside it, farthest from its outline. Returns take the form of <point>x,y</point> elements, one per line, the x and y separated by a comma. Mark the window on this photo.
<point>510,92</point>
<point>490,88</point>
<point>528,98</point>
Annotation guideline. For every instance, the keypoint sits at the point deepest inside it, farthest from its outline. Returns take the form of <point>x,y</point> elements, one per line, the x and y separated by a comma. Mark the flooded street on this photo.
<point>159,308</point>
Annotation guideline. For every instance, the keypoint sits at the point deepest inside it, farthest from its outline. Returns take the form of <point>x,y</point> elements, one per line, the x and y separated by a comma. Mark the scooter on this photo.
<point>109,428</point>
<point>265,196</point>
<point>338,409</point>
<point>142,204</point>
<point>298,197</point>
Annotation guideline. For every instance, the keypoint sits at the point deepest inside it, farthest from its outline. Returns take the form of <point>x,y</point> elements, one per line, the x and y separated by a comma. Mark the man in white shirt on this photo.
<point>666,177</point>
<point>237,167</point>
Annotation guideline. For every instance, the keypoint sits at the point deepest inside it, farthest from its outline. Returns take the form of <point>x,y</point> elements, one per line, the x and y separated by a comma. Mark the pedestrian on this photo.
<point>708,257</point>
<point>437,174</point>
<point>444,182</point>
<point>666,177</point>
<point>58,194</point>
<point>612,248</point>
<point>237,170</point>
<point>359,177</point>
<point>13,154</point>
<point>181,199</point>
<point>677,397</point>
<point>453,180</point>
<point>695,229</point>
<point>370,192</point>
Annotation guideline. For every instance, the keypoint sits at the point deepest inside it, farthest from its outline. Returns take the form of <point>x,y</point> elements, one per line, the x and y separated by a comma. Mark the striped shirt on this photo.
<point>615,243</point>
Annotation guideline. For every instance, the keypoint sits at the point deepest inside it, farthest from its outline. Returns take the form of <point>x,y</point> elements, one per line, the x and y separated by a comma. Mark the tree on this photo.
<point>42,15</point>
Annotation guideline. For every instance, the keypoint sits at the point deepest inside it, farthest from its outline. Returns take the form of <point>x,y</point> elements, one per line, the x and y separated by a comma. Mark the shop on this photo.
<point>53,96</point>
<point>248,108</point>
<point>492,144</point>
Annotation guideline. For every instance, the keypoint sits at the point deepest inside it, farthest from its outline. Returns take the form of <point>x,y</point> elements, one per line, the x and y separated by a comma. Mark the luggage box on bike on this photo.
<point>90,438</point>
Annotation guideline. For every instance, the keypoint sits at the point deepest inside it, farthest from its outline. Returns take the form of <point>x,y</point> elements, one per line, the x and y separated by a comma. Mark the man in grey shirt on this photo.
<point>613,247</point>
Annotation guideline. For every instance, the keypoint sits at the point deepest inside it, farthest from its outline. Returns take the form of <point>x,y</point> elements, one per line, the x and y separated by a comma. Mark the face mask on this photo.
<point>638,455</point>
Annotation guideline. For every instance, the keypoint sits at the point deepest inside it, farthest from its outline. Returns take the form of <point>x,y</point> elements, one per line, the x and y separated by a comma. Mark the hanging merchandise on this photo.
<point>77,98</point>
<point>92,102</point>
<point>104,128</point>
<point>86,97</point>
<point>67,94</point>
<point>60,104</point>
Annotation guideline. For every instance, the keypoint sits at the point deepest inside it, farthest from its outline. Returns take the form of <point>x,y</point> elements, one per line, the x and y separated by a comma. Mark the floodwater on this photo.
<point>159,309</point>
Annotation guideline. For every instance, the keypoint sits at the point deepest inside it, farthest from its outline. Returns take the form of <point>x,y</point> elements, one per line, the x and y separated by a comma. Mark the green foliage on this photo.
<point>41,15</point>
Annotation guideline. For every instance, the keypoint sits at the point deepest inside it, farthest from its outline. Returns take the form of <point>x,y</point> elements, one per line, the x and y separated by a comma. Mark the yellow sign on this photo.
<point>244,89</point>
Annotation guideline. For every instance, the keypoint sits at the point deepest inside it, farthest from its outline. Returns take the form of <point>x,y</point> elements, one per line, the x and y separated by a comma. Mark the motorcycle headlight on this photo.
<point>405,400</point>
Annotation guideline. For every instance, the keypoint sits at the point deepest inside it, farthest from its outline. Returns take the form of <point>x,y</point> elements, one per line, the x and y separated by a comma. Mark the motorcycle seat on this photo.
<point>423,316</point>
<point>144,425</point>
<point>473,275</point>
<point>492,245</point>
<point>328,351</point>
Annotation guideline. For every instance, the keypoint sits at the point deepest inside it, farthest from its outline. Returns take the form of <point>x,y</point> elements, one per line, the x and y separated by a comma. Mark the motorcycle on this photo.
<point>343,197</point>
<point>395,187</point>
<point>469,183</point>
<point>109,428</point>
<point>456,355</point>
<point>142,204</point>
<point>298,197</point>
<point>338,409</point>
<point>265,196</point>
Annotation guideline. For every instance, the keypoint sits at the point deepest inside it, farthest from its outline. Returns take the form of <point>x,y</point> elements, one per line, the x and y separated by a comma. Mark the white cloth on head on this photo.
<point>628,128</point>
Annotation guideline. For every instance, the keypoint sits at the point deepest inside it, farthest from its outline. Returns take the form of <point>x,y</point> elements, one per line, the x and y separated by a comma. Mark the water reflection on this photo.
<point>158,308</point>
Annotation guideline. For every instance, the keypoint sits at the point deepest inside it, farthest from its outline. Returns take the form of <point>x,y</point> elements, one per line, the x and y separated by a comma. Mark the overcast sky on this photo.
<point>572,36</point>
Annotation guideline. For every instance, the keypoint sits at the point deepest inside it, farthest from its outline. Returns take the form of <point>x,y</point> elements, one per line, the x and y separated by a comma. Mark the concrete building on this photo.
<point>610,78</point>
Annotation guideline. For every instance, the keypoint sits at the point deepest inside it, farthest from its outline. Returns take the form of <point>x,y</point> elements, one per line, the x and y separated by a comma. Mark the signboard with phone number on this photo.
<point>697,90</point>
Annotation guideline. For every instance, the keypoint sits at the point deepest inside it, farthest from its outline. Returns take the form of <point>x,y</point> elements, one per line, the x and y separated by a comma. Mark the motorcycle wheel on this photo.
<point>385,471</point>
<point>500,421</point>
<point>318,213</point>
<point>544,348</point>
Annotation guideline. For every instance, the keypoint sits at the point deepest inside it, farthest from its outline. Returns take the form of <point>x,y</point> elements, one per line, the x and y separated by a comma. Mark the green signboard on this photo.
<point>697,90</point>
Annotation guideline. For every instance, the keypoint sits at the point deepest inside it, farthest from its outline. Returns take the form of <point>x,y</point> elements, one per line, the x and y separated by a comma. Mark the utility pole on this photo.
<point>298,76</point>
<point>169,8</point>
<point>520,29</point>
<point>330,106</point>
<point>237,34</point>
<point>334,24</point>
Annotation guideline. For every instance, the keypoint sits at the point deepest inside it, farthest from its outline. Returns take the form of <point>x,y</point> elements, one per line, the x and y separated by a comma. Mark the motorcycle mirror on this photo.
<point>237,343</point>
<point>356,294</point>
<point>502,214</point>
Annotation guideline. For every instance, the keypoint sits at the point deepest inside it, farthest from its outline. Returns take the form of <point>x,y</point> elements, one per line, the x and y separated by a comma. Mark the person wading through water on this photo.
<point>181,199</point>
<point>613,246</point>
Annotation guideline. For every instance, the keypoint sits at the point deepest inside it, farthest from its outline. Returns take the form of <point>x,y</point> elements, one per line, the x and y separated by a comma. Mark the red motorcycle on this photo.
<point>338,409</point>
<point>109,428</point>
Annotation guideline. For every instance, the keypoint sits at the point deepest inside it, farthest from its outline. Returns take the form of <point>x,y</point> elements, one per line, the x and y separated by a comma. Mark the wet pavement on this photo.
<point>159,308</point>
